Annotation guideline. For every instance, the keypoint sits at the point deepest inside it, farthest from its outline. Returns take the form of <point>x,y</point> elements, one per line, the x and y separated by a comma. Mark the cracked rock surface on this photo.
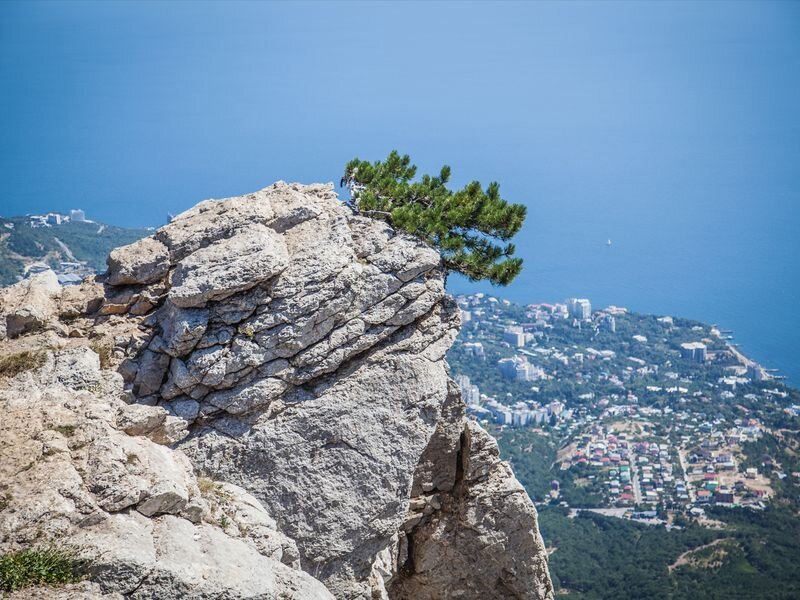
<point>290,354</point>
<point>82,469</point>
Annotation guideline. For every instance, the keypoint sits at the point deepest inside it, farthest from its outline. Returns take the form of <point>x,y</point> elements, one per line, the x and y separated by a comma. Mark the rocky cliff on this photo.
<point>274,418</point>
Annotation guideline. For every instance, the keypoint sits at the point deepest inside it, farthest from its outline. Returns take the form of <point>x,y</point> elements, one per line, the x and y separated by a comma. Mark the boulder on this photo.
<point>142,262</point>
<point>213,220</point>
<point>74,477</point>
<point>477,538</point>
<point>31,304</point>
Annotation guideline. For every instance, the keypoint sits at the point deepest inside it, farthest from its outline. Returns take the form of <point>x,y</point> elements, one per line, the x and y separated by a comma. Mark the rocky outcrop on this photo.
<point>82,469</point>
<point>280,344</point>
<point>484,517</point>
<point>39,303</point>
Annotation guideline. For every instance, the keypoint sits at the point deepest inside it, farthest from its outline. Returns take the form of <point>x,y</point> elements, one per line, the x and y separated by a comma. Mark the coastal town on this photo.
<point>650,418</point>
<point>69,244</point>
<point>68,269</point>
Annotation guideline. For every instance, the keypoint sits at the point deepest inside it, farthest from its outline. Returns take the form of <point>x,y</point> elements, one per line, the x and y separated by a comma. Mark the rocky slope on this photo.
<point>280,376</point>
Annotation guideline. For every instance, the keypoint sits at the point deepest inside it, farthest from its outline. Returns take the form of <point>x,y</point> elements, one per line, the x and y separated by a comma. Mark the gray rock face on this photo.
<point>30,304</point>
<point>295,352</point>
<point>141,262</point>
<point>78,470</point>
<point>484,517</point>
<point>227,266</point>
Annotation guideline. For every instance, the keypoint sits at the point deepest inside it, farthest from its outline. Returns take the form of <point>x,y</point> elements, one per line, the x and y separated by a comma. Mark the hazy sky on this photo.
<point>672,128</point>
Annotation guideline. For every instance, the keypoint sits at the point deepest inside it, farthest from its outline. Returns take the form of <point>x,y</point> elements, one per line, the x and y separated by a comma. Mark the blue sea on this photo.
<point>740,270</point>
<point>671,128</point>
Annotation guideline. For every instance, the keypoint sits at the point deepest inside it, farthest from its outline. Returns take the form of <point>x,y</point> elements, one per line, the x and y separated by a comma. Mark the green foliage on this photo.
<point>760,560</point>
<point>531,455</point>
<point>598,557</point>
<point>604,557</point>
<point>40,566</point>
<point>11,268</point>
<point>470,227</point>
<point>773,455</point>
<point>13,364</point>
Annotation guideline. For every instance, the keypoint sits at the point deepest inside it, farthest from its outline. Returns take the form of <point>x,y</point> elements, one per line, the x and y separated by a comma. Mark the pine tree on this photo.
<point>470,227</point>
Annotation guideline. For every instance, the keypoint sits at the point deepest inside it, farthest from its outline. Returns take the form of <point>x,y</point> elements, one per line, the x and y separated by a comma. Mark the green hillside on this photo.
<point>89,243</point>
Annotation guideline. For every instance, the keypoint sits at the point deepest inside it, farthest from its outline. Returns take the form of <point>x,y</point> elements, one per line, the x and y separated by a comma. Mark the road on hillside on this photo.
<point>637,490</point>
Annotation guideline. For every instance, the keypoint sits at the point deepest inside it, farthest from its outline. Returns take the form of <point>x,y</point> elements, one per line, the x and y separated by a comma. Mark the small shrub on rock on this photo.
<point>40,566</point>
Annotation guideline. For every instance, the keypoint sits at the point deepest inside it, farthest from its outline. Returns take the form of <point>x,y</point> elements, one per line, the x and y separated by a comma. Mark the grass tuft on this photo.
<point>14,364</point>
<point>40,566</point>
<point>207,486</point>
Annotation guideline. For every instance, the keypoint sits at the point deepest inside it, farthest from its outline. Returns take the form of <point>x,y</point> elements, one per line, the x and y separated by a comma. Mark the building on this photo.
<point>501,413</point>
<point>520,369</point>
<point>609,323</point>
<point>756,373</point>
<point>579,308</point>
<point>515,336</point>
<point>475,349</point>
<point>694,351</point>
<point>469,391</point>
<point>77,215</point>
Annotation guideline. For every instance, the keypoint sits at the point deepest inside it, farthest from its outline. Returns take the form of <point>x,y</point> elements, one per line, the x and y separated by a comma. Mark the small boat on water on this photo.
<point>608,243</point>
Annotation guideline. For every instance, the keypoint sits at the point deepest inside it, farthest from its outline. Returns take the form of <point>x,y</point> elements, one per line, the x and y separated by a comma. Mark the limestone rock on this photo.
<point>73,477</point>
<point>77,368</point>
<point>141,262</point>
<point>211,221</point>
<point>181,328</point>
<point>247,518</point>
<point>200,561</point>
<point>478,540</point>
<point>228,266</point>
<point>150,373</point>
<point>139,419</point>
<point>84,590</point>
<point>30,304</point>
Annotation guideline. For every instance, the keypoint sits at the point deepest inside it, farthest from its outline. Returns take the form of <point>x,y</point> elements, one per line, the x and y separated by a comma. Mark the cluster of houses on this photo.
<point>628,471</point>
<point>676,455</point>
<point>634,470</point>
<point>715,475</point>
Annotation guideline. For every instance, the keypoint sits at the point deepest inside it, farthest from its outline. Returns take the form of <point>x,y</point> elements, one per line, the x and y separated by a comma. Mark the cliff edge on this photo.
<point>276,364</point>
